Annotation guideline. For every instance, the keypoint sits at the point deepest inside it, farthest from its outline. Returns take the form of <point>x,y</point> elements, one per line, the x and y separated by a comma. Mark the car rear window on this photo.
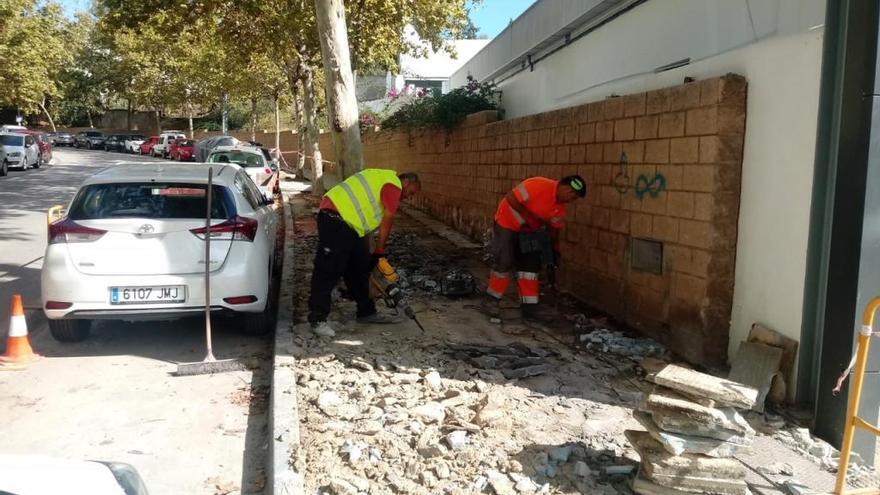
<point>134,137</point>
<point>7,140</point>
<point>149,200</point>
<point>247,160</point>
<point>187,142</point>
<point>93,134</point>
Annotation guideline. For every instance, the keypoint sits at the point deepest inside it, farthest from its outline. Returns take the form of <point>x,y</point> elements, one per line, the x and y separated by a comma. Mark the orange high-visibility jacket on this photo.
<point>538,195</point>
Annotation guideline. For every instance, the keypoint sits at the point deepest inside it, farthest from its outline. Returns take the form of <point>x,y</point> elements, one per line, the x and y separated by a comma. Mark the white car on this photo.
<point>21,151</point>
<point>133,142</point>
<point>38,475</point>
<point>131,247</point>
<point>163,147</point>
<point>251,159</point>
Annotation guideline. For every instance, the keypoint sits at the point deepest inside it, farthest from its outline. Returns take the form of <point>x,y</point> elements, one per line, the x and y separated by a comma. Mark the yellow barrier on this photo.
<point>54,213</point>
<point>853,420</point>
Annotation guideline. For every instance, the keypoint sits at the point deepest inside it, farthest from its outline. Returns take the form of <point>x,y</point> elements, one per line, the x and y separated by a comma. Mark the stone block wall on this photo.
<point>662,166</point>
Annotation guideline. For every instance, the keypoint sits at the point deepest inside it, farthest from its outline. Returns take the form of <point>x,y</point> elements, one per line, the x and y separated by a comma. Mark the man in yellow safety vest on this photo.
<point>365,202</point>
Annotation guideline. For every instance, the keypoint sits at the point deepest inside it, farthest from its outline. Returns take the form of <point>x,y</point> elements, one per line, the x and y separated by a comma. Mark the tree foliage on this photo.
<point>34,41</point>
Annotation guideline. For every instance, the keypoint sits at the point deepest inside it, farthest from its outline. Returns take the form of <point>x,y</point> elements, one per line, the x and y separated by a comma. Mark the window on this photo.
<point>246,187</point>
<point>10,140</point>
<point>29,141</point>
<point>149,200</point>
<point>243,158</point>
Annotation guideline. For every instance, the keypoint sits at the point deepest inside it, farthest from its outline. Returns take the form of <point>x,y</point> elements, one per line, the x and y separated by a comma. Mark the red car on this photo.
<point>43,141</point>
<point>183,150</point>
<point>147,146</point>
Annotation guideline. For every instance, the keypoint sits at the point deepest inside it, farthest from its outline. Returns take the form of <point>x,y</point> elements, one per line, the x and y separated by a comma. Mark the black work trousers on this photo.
<point>341,253</point>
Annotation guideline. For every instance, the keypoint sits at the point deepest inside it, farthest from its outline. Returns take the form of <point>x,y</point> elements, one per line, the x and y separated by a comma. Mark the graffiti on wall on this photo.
<point>643,184</point>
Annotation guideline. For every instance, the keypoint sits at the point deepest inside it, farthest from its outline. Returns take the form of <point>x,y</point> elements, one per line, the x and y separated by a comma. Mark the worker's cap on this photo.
<point>577,183</point>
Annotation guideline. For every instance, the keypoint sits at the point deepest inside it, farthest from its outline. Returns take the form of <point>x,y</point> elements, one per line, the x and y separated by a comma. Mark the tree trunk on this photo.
<point>224,125</point>
<point>341,98</point>
<point>48,116</point>
<point>89,115</point>
<point>189,115</point>
<point>158,121</point>
<point>253,119</point>
<point>128,117</point>
<point>277,126</point>
<point>312,146</point>
<point>298,122</point>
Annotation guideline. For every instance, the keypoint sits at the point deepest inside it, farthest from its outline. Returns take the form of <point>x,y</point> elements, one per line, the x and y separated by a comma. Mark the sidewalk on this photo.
<point>389,409</point>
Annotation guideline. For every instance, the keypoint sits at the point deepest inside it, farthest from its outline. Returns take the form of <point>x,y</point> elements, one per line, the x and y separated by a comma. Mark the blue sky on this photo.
<point>491,16</point>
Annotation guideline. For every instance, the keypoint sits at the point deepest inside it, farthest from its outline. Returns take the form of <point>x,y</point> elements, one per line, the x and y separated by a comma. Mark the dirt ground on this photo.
<point>390,409</point>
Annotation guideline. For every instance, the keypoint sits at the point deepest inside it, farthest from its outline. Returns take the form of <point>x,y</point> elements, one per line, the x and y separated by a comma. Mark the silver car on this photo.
<point>204,147</point>
<point>20,151</point>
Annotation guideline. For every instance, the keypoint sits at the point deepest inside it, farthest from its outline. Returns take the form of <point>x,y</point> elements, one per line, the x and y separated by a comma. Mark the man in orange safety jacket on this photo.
<point>530,206</point>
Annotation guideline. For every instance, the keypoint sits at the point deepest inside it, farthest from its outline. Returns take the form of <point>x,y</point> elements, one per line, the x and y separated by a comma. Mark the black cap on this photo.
<point>577,183</point>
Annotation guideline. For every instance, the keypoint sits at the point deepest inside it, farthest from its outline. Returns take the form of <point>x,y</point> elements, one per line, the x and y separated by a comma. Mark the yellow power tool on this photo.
<point>387,282</point>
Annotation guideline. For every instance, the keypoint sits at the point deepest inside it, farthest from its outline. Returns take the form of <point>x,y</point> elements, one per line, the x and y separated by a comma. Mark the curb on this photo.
<point>284,418</point>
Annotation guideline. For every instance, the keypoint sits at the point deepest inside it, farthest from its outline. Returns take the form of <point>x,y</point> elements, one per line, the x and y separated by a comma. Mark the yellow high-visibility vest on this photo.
<point>358,199</point>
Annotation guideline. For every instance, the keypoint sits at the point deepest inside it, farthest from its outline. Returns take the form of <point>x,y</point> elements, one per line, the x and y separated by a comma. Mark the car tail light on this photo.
<point>68,231</point>
<point>240,299</point>
<point>267,171</point>
<point>58,305</point>
<point>235,229</point>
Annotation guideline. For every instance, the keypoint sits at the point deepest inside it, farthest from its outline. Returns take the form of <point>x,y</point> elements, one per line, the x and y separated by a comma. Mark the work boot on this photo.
<point>536,313</point>
<point>379,319</point>
<point>490,306</point>
<point>323,329</point>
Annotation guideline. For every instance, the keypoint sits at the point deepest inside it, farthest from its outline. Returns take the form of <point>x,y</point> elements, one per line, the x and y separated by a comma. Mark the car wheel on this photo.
<point>70,330</point>
<point>258,323</point>
<point>4,169</point>
<point>39,161</point>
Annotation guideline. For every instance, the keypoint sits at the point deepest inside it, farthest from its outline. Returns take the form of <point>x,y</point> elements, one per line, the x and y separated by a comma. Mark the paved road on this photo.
<point>112,397</point>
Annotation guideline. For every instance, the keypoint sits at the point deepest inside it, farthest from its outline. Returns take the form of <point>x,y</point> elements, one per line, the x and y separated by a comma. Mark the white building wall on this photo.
<point>777,46</point>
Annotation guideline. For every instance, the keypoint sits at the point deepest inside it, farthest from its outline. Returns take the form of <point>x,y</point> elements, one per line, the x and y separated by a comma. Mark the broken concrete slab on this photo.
<point>755,365</point>
<point>667,402</point>
<point>525,372</point>
<point>767,336</point>
<point>703,385</point>
<point>702,485</point>
<point>677,443</point>
<point>645,486</point>
<point>656,461</point>
<point>675,422</point>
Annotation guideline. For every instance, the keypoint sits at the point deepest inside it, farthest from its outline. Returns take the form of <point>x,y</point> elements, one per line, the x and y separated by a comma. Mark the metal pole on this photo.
<point>210,356</point>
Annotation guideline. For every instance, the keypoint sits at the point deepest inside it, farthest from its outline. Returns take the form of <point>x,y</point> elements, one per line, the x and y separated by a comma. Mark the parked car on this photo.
<point>44,144</point>
<point>133,143</point>
<point>4,166</point>
<point>251,159</point>
<point>163,147</point>
<point>115,142</point>
<point>61,138</point>
<point>8,128</point>
<point>146,148</point>
<point>21,150</point>
<point>89,139</point>
<point>205,146</point>
<point>131,246</point>
<point>26,474</point>
<point>182,150</point>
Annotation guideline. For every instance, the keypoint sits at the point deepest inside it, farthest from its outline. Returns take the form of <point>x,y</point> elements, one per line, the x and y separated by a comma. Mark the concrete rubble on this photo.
<point>693,430</point>
<point>472,407</point>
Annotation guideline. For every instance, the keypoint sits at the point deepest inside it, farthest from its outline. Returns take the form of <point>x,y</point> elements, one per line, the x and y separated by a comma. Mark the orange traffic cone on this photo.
<point>18,344</point>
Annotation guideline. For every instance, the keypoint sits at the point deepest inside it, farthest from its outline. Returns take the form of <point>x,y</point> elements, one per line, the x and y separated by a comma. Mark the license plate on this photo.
<point>148,295</point>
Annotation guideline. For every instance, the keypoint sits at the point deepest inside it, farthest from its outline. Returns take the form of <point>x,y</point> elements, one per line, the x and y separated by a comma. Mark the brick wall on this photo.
<point>689,137</point>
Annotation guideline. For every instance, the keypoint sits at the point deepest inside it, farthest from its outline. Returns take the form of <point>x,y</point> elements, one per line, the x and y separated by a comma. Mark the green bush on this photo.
<point>437,110</point>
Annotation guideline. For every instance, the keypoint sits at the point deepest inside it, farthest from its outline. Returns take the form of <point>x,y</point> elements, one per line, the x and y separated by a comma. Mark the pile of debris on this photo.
<point>615,342</point>
<point>694,428</point>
